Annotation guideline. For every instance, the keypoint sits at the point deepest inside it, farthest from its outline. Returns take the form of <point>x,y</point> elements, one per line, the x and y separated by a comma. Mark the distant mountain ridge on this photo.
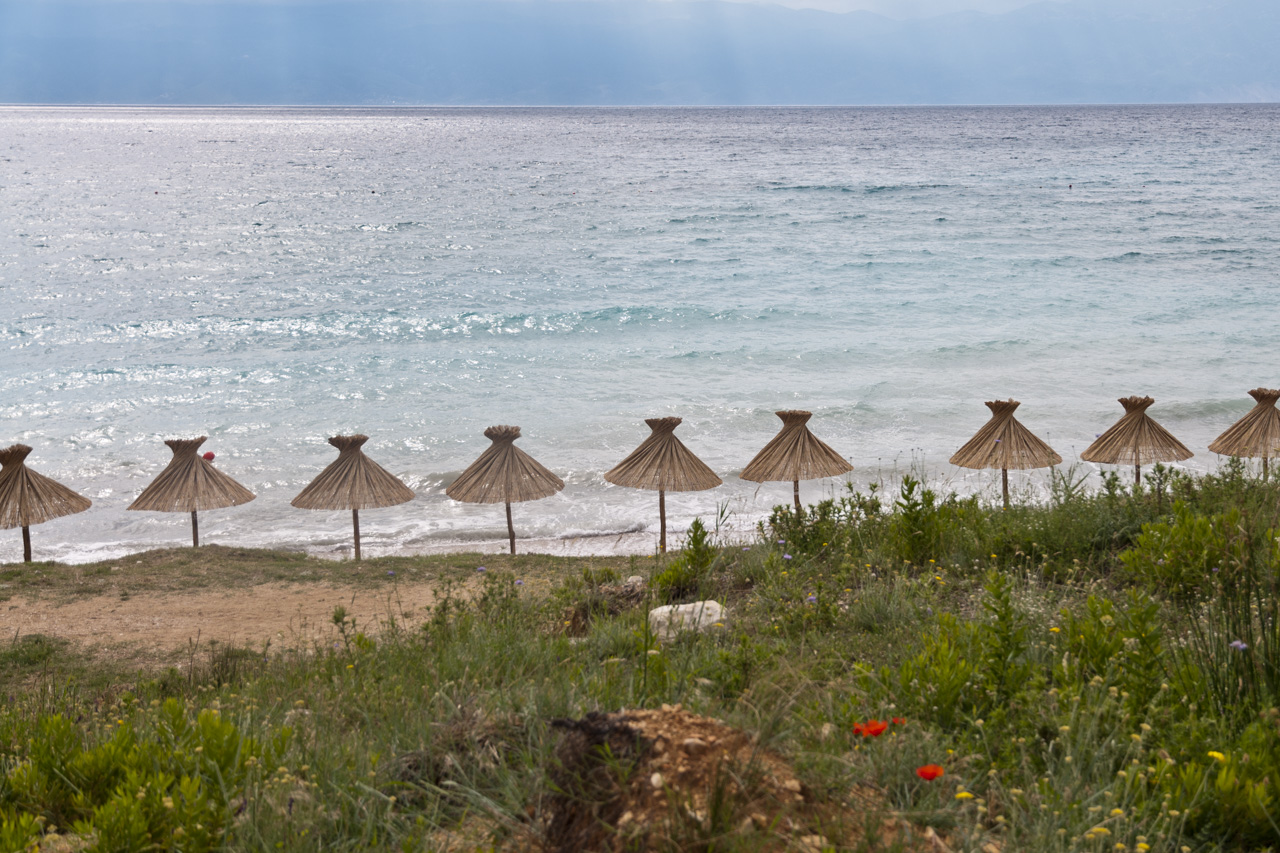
<point>540,52</point>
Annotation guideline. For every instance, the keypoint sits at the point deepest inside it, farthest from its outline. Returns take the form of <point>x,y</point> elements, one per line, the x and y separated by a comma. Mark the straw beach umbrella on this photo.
<point>353,481</point>
<point>663,463</point>
<point>1257,433</point>
<point>1136,439</point>
<point>28,498</point>
<point>190,483</point>
<point>504,474</point>
<point>795,454</point>
<point>1004,443</point>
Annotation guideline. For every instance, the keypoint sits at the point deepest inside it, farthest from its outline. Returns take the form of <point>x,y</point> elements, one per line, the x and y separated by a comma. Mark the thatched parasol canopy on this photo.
<point>504,474</point>
<point>664,464</point>
<point>353,481</point>
<point>793,455</point>
<point>28,498</point>
<point>1004,443</point>
<point>1136,439</point>
<point>1257,433</point>
<point>190,483</point>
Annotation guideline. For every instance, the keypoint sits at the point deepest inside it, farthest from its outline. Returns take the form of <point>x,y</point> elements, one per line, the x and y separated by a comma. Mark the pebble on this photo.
<point>695,746</point>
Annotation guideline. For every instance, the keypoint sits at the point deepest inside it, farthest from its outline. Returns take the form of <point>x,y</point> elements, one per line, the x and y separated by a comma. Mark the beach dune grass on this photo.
<point>171,570</point>
<point>1057,695</point>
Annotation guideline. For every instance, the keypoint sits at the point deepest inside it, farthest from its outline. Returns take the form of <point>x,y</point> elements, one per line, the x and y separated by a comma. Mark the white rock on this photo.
<point>670,620</point>
<point>635,580</point>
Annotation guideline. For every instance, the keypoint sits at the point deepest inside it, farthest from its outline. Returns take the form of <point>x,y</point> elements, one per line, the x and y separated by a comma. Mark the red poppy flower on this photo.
<point>208,456</point>
<point>899,721</point>
<point>871,728</point>
<point>929,772</point>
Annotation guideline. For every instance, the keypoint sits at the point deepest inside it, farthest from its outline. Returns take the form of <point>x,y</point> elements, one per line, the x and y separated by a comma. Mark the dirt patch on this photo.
<point>157,624</point>
<point>639,780</point>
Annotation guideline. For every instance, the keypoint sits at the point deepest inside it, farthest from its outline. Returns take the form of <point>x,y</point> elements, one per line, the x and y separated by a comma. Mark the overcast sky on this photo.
<point>902,8</point>
<point>614,52</point>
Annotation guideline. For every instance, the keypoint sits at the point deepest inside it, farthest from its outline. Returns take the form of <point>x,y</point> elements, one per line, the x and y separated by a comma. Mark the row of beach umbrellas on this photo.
<point>505,474</point>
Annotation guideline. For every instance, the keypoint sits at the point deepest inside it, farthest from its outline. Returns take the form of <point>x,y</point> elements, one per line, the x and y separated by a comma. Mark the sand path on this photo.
<point>160,624</point>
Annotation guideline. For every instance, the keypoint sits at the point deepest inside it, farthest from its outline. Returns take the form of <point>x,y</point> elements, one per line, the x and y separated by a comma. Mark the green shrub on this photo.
<point>834,526</point>
<point>137,791</point>
<point>18,831</point>
<point>1230,792</point>
<point>1180,556</point>
<point>684,576</point>
<point>924,529</point>
<point>1122,645</point>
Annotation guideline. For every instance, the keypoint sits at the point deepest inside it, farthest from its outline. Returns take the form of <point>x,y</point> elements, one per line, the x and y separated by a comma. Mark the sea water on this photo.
<point>272,277</point>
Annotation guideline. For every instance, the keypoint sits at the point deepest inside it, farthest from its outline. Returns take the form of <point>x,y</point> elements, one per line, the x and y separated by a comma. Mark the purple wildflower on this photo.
<point>1238,645</point>
<point>391,574</point>
<point>479,568</point>
<point>786,556</point>
<point>519,582</point>
<point>812,599</point>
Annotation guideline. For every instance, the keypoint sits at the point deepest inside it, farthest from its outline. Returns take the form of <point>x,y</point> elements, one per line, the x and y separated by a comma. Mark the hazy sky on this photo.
<point>498,52</point>
<point>901,8</point>
<point>888,8</point>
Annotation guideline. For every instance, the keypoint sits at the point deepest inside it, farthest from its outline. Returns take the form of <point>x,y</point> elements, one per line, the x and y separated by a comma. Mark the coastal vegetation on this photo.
<point>1099,670</point>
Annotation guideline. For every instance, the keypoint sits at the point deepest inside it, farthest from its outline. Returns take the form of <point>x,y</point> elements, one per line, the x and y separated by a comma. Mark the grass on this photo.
<point>219,567</point>
<point>1083,684</point>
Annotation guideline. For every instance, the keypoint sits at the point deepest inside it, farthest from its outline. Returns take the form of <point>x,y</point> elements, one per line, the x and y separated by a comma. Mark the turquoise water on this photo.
<point>273,277</point>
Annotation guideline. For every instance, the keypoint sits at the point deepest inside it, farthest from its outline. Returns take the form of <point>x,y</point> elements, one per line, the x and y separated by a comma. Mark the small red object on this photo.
<point>208,456</point>
<point>929,772</point>
<point>871,728</point>
<point>899,721</point>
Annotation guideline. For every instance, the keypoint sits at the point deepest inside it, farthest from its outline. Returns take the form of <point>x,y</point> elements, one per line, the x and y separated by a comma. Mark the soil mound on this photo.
<point>670,779</point>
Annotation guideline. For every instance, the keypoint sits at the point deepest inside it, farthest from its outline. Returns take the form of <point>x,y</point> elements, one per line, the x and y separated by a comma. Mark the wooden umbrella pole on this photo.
<point>1004,478</point>
<point>1137,475</point>
<point>355,525</point>
<point>795,484</point>
<point>195,530</point>
<point>26,544</point>
<point>1264,467</point>
<point>511,530</point>
<point>662,514</point>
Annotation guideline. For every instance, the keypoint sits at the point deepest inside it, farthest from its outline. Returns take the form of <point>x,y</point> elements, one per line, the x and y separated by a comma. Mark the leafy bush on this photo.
<point>1181,555</point>
<point>138,792</point>
<point>924,529</point>
<point>832,526</point>
<point>971,669</point>
<point>686,574</point>
<point>1230,792</point>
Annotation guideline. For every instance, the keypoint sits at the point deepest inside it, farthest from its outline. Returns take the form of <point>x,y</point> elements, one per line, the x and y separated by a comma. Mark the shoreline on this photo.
<point>406,535</point>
